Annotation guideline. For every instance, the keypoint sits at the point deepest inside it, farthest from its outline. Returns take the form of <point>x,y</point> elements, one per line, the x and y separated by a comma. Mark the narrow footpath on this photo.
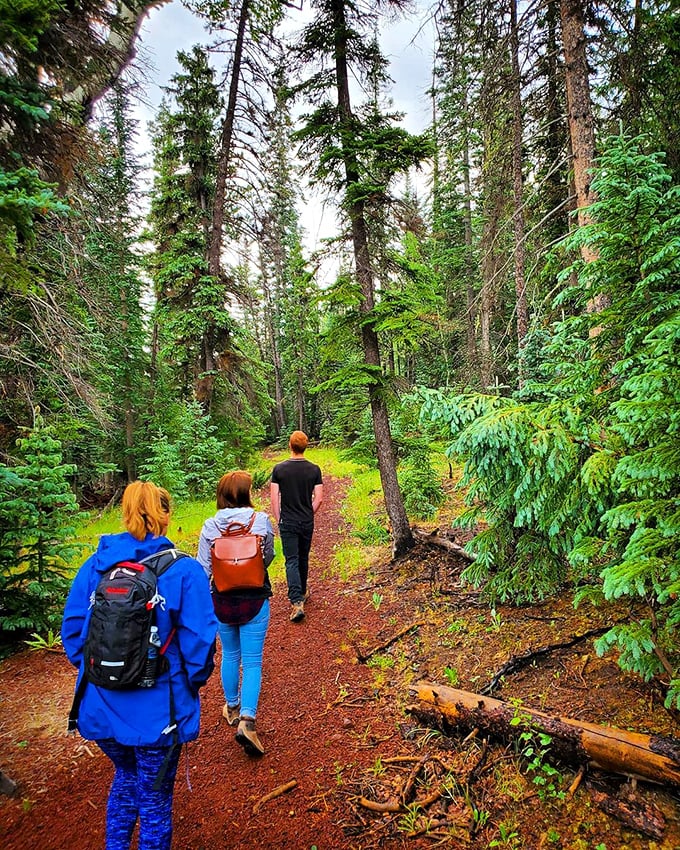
<point>318,720</point>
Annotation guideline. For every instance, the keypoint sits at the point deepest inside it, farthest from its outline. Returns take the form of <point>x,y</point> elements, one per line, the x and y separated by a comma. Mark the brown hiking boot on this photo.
<point>231,714</point>
<point>298,612</point>
<point>246,736</point>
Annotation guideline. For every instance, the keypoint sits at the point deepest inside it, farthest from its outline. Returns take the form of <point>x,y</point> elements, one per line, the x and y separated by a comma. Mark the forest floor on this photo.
<point>338,729</point>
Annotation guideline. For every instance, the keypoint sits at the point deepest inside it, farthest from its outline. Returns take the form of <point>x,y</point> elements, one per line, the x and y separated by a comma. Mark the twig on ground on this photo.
<point>576,781</point>
<point>518,662</point>
<point>410,780</point>
<point>277,792</point>
<point>362,658</point>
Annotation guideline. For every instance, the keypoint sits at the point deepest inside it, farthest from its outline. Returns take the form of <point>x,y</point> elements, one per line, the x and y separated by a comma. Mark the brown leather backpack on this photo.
<point>237,560</point>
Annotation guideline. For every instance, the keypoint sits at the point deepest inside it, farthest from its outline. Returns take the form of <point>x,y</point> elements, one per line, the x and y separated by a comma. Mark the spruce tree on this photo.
<point>358,154</point>
<point>37,512</point>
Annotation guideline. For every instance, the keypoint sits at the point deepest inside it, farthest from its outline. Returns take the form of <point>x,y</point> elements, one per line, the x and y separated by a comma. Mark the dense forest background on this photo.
<point>506,283</point>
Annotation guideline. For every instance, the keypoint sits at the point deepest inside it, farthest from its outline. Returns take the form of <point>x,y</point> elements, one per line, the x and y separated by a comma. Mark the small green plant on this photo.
<point>553,837</point>
<point>507,836</point>
<point>376,600</point>
<point>451,675</point>
<point>533,746</point>
<point>408,822</point>
<point>480,818</point>
<point>451,788</point>
<point>51,642</point>
<point>373,533</point>
<point>496,621</point>
<point>378,768</point>
<point>381,661</point>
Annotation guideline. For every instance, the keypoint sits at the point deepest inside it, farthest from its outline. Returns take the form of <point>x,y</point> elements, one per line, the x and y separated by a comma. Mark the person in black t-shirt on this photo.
<point>296,495</point>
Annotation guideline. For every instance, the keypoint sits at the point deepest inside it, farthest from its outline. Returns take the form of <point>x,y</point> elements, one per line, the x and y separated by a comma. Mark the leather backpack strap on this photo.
<point>238,528</point>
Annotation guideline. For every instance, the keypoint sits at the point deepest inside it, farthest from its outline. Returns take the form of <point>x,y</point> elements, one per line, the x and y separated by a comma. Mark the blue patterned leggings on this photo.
<point>133,796</point>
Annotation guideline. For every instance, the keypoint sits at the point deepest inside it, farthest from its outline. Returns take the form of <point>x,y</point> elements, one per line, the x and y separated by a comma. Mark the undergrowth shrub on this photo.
<point>578,477</point>
<point>37,514</point>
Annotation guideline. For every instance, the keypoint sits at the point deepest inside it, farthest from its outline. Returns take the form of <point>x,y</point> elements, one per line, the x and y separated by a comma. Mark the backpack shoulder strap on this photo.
<point>159,562</point>
<point>238,528</point>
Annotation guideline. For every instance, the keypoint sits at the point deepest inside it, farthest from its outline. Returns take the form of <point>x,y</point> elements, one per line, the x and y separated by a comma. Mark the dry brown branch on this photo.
<point>410,780</point>
<point>363,658</point>
<point>518,662</point>
<point>391,805</point>
<point>443,543</point>
<point>576,781</point>
<point>277,792</point>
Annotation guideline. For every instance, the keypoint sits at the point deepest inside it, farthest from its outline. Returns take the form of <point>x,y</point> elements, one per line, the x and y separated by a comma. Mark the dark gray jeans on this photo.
<point>296,541</point>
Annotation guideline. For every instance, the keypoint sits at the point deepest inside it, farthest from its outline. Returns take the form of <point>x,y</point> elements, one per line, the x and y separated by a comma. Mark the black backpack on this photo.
<point>123,612</point>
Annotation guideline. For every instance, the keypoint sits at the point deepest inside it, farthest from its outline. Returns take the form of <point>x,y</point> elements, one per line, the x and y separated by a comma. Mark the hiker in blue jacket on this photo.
<point>141,729</point>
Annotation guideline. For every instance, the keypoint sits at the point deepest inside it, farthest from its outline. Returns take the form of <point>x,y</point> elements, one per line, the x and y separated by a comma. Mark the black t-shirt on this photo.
<point>297,480</point>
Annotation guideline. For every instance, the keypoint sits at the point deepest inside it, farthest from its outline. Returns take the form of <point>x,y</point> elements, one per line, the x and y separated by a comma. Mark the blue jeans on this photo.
<point>242,647</point>
<point>296,541</point>
<point>132,796</point>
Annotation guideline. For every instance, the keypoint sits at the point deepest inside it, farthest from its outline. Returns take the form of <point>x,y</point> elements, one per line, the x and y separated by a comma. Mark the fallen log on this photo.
<point>633,811</point>
<point>654,758</point>
<point>442,542</point>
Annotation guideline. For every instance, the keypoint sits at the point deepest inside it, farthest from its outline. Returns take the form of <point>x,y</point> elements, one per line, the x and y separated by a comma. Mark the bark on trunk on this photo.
<point>518,188</point>
<point>653,758</point>
<point>206,386</point>
<point>579,109</point>
<point>471,311</point>
<point>402,539</point>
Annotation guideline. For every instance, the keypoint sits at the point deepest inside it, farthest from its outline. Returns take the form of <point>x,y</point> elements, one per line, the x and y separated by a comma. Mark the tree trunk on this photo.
<point>522,315</point>
<point>651,757</point>
<point>206,386</point>
<point>471,312</point>
<point>579,110</point>
<point>402,539</point>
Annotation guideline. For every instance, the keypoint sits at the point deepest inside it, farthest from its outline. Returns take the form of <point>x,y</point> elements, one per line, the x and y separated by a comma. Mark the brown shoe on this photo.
<point>231,713</point>
<point>246,736</point>
<point>298,612</point>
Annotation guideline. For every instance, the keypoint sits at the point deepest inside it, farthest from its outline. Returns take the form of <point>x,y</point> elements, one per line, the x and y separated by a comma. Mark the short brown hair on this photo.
<point>298,442</point>
<point>145,509</point>
<point>233,490</point>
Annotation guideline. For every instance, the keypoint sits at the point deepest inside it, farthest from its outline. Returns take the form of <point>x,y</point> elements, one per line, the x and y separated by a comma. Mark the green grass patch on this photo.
<point>325,457</point>
<point>348,561</point>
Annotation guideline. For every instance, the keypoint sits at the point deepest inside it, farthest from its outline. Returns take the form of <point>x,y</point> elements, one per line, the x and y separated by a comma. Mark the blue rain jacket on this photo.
<point>141,716</point>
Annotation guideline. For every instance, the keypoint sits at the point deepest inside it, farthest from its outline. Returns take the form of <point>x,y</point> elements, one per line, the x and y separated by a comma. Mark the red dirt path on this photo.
<point>316,718</point>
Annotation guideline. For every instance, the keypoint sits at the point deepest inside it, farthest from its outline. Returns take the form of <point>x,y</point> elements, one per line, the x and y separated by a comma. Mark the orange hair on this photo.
<point>233,490</point>
<point>145,509</point>
<point>298,442</point>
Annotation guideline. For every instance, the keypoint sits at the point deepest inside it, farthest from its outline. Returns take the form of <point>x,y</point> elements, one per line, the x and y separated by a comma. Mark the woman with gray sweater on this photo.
<point>243,614</point>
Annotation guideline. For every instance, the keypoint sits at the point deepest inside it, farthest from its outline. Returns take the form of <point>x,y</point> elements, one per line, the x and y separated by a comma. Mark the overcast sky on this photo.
<point>407,44</point>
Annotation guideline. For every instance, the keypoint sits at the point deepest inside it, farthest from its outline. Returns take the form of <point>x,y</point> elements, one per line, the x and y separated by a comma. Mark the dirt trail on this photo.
<point>316,718</point>
<point>339,729</point>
